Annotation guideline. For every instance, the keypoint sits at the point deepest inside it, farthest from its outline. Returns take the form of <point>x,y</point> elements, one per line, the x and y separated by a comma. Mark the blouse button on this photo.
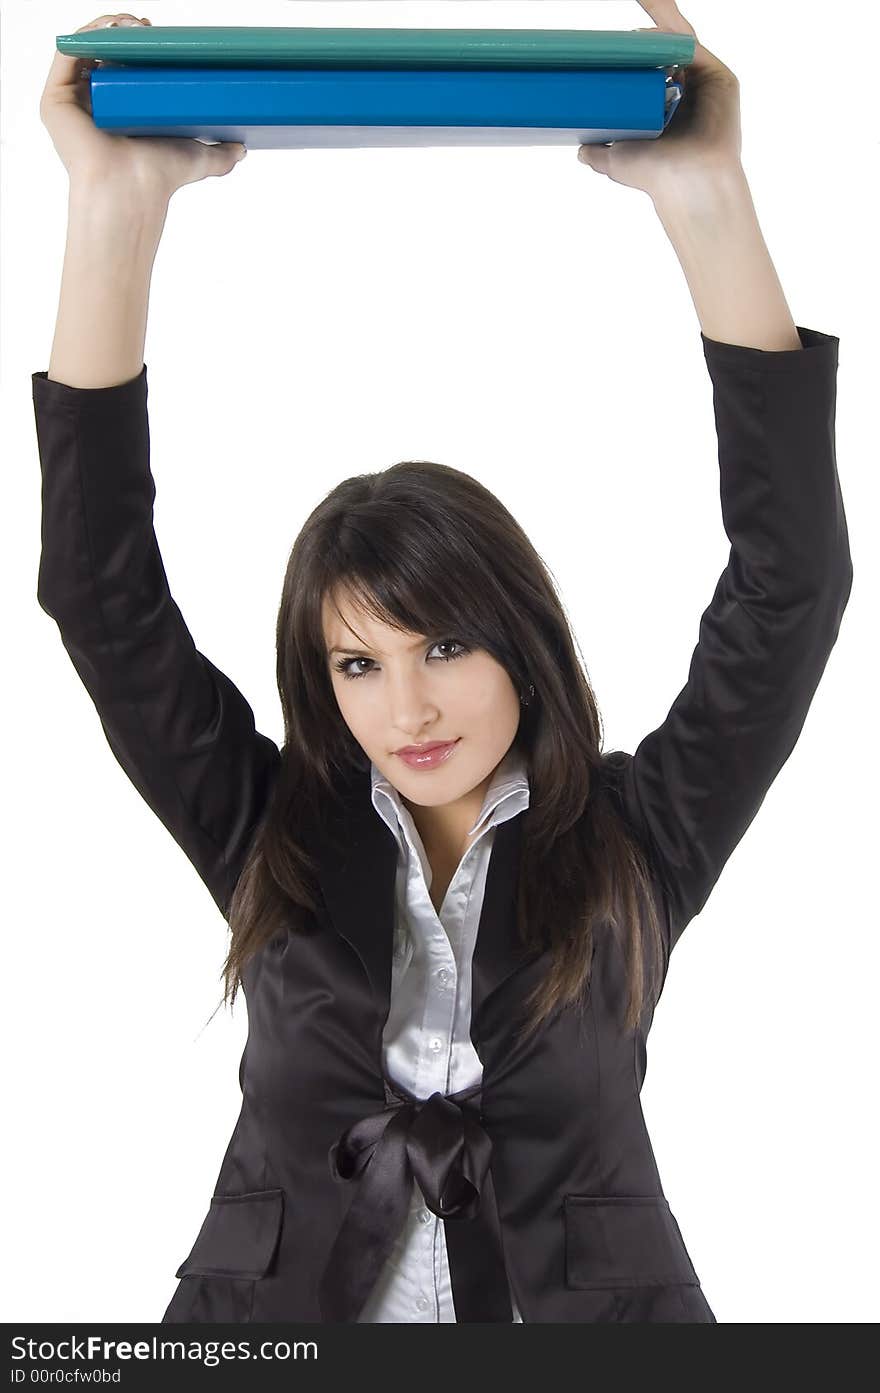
<point>422,1303</point>
<point>436,1044</point>
<point>424,1216</point>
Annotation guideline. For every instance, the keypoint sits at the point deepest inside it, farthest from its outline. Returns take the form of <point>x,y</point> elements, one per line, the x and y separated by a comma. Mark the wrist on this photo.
<point>714,230</point>
<point>121,211</point>
<point>706,194</point>
<point>113,234</point>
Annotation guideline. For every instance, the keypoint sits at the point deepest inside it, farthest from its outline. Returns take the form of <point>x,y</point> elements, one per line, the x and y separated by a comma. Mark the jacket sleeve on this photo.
<point>695,783</point>
<point>178,726</point>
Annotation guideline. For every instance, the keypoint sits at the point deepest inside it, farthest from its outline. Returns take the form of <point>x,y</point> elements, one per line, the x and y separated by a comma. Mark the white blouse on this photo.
<point>427,1046</point>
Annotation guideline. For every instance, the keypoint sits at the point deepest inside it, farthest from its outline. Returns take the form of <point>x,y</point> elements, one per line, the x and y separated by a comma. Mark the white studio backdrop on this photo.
<point>510,312</point>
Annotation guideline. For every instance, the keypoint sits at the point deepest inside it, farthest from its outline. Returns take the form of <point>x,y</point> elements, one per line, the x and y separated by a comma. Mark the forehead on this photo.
<point>340,609</point>
<point>344,619</point>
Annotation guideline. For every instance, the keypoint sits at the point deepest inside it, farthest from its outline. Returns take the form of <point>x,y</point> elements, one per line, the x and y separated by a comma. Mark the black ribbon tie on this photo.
<point>440,1142</point>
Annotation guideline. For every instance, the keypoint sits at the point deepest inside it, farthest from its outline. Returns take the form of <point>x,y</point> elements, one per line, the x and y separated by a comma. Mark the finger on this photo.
<point>66,70</point>
<point>702,62</point>
<point>235,152</point>
<point>596,156</point>
<point>668,17</point>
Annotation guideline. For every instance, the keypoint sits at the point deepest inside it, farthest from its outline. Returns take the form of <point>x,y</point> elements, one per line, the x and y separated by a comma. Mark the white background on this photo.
<point>514,314</point>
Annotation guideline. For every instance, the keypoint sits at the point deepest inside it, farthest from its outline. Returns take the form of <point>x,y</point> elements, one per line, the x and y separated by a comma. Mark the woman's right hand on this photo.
<point>154,165</point>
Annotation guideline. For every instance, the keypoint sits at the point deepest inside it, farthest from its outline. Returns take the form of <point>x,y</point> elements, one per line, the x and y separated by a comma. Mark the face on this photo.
<point>396,689</point>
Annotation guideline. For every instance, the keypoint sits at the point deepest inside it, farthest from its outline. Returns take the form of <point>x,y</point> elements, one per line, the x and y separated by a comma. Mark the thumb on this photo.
<point>224,156</point>
<point>596,156</point>
<point>200,159</point>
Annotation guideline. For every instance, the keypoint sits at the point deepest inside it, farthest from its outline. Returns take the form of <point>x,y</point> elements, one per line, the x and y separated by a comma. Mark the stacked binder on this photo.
<point>279,88</point>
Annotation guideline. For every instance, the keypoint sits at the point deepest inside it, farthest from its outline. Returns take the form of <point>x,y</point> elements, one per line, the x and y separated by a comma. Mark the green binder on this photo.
<point>267,47</point>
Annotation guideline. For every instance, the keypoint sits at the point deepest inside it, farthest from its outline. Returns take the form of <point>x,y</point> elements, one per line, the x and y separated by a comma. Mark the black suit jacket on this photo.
<point>571,1207</point>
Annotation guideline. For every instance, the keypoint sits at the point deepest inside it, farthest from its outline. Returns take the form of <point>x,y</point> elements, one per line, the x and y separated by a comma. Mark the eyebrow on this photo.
<point>348,651</point>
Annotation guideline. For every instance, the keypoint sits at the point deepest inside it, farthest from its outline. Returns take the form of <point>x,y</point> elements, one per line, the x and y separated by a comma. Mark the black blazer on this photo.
<point>545,1174</point>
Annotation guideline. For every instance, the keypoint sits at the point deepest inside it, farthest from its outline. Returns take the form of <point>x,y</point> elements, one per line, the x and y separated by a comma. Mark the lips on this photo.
<point>423,749</point>
<point>427,756</point>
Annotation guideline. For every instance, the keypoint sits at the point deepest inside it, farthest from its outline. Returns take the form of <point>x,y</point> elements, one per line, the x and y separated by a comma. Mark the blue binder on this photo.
<point>295,86</point>
<point>285,108</point>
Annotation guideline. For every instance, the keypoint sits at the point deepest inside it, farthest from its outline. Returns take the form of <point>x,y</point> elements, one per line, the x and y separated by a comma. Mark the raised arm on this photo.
<point>694,785</point>
<point>179,728</point>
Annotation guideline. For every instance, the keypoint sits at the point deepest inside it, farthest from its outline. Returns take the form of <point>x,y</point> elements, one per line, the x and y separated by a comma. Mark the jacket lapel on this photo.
<point>357,872</point>
<point>497,954</point>
<point>357,877</point>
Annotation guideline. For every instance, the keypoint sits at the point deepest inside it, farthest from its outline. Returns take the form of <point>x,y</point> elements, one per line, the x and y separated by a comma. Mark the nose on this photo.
<point>411,711</point>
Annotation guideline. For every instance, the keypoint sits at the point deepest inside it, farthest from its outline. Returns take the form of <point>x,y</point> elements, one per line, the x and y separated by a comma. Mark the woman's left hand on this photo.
<point>703,136</point>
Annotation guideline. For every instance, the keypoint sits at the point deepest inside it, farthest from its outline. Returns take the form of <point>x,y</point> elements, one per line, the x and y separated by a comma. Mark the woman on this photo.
<point>451,913</point>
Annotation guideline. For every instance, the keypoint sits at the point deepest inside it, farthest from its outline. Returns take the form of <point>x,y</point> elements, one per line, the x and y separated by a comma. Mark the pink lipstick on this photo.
<point>427,756</point>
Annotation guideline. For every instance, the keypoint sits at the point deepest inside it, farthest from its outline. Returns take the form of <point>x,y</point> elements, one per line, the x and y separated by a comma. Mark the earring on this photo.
<point>526,699</point>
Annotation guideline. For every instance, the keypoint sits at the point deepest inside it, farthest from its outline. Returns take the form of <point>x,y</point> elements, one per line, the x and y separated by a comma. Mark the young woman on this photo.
<point>451,912</point>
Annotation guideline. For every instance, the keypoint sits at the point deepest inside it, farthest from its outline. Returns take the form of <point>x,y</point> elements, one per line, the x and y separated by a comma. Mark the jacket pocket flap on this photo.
<point>238,1237</point>
<point>624,1241</point>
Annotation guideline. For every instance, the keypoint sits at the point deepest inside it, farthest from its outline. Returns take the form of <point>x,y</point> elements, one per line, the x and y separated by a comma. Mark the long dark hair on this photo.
<point>428,549</point>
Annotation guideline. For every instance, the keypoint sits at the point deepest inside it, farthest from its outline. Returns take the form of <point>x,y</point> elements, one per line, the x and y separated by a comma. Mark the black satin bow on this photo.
<point>440,1142</point>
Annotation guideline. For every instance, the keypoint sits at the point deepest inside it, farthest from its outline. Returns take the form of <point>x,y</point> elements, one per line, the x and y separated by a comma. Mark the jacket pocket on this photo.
<point>623,1241</point>
<point>238,1238</point>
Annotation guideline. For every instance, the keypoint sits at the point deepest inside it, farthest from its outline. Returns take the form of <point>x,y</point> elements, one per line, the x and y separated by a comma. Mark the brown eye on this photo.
<point>343,665</point>
<point>346,665</point>
<point>450,643</point>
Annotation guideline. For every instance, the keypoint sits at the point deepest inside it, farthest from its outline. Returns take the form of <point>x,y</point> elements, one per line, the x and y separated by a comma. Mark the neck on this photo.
<point>444,830</point>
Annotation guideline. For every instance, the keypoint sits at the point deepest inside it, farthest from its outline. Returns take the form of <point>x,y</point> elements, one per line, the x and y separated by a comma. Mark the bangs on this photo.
<point>412,583</point>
